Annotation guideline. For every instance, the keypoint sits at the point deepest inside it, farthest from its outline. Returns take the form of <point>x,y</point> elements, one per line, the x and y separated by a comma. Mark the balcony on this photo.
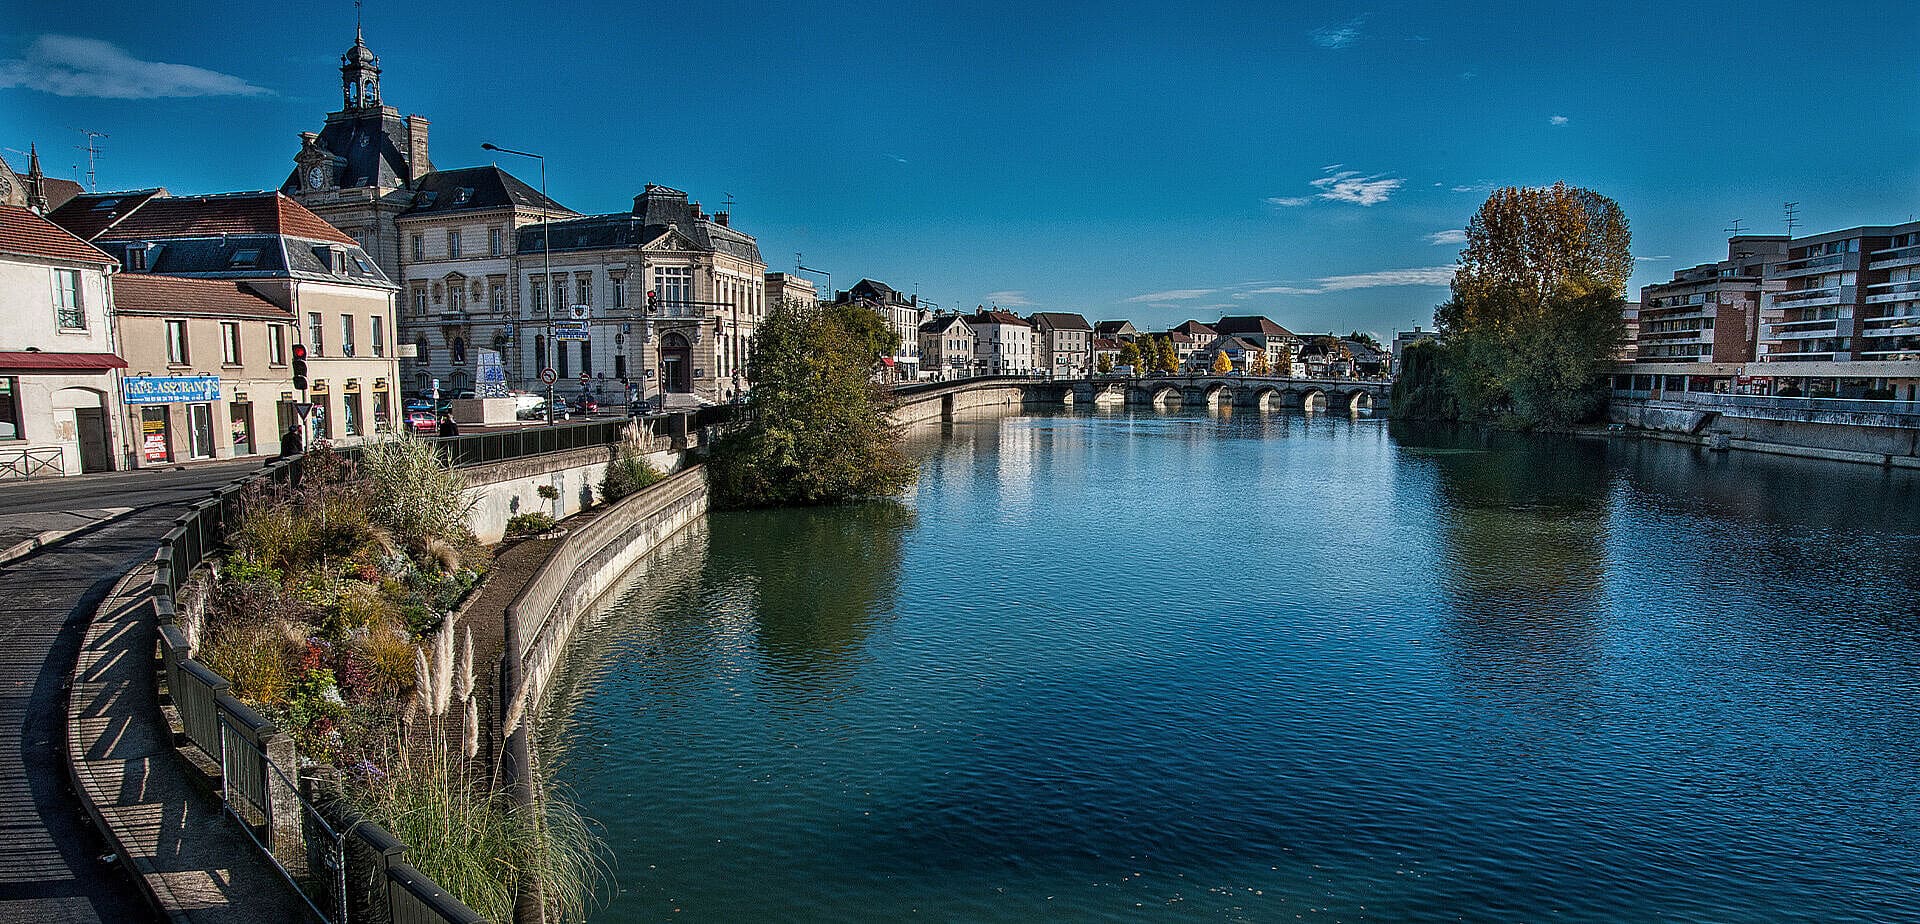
<point>1824,329</point>
<point>1900,330</point>
<point>1884,292</point>
<point>1825,263</point>
<point>1806,298</point>
<point>1685,313</point>
<point>1895,257</point>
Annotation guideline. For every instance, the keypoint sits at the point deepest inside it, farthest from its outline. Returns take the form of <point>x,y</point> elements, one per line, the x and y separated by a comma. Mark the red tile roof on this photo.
<point>159,216</point>
<point>997,317</point>
<point>36,361</point>
<point>140,293</point>
<point>23,232</point>
<point>88,214</point>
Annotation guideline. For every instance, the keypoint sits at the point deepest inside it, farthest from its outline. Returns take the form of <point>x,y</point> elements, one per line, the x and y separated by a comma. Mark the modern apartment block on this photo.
<point>1846,296</point>
<point>1709,313</point>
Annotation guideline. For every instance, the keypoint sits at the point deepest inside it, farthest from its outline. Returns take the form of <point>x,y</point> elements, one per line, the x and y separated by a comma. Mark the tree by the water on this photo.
<point>1222,364</point>
<point>816,430</point>
<point>1536,312</point>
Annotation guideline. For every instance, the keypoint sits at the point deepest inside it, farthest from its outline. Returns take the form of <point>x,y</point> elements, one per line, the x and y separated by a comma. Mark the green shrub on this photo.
<point>629,471</point>
<point>413,491</point>
<point>522,523</point>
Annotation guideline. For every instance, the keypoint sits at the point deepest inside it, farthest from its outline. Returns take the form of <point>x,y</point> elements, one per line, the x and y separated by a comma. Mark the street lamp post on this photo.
<point>546,280</point>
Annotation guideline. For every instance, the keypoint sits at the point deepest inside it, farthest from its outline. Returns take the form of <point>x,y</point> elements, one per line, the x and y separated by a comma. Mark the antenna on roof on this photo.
<point>1793,210</point>
<point>93,157</point>
<point>729,203</point>
<point>1734,228</point>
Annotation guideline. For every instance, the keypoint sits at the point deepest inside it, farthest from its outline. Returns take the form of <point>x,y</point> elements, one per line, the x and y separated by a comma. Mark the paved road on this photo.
<point>50,868</point>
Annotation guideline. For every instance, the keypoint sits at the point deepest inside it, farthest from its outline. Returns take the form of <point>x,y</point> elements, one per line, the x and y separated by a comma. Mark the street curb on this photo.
<point>27,547</point>
<point>84,794</point>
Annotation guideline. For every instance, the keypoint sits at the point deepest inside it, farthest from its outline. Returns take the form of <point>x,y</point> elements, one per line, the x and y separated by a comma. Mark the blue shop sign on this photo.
<point>171,389</point>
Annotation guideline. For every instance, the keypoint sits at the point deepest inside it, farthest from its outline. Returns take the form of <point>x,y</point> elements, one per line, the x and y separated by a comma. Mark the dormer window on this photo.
<point>244,259</point>
<point>137,258</point>
<point>463,195</point>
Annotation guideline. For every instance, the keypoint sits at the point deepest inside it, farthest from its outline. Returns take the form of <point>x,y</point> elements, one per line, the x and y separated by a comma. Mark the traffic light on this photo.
<point>653,301</point>
<point>300,366</point>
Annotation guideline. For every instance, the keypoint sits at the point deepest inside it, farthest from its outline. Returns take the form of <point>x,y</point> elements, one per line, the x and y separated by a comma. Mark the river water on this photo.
<point>1140,665</point>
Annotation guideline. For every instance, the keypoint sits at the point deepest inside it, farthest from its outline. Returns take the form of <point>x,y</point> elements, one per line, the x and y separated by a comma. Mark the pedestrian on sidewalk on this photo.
<point>290,440</point>
<point>447,425</point>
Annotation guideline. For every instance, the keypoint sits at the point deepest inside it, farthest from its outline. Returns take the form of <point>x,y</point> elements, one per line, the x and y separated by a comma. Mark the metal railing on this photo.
<point>309,848</point>
<point>1779,403</point>
<point>22,464</point>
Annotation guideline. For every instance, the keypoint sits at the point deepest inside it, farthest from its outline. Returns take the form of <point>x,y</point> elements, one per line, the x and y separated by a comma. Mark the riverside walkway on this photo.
<point>51,866</point>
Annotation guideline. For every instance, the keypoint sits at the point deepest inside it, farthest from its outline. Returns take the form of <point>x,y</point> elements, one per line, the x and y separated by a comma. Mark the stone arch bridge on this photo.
<point>1347,396</point>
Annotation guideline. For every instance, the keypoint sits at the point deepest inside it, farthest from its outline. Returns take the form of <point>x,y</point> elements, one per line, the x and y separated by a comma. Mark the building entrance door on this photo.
<point>676,364</point>
<point>96,453</point>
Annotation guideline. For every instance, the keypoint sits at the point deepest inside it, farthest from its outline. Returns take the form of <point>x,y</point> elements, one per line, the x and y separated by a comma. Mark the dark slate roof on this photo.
<point>1105,343</point>
<point>474,188</point>
<point>1364,353</point>
<point>1196,330</point>
<point>23,232</point>
<point>940,324</point>
<point>655,212</point>
<point>1232,343</point>
<point>1060,320</point>
<point>1114,328</point>
<point>145,293</point>
<point>878,291</point>
<point>369,143</point>
<point>88,214</point>
<point>1251,324</point>
<point>253,256</point>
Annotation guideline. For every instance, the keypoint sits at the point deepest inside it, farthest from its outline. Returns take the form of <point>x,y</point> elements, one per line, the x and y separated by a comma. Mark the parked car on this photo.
<point>586,405</point>
<point>423,421</point>
<point>538,411</point>
<point>418,404</point>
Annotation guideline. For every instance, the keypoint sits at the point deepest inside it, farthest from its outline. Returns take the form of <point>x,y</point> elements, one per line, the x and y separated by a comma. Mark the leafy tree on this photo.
<point>1283,361</point>
<point>1221,363</point>
<point>815,429</point>
<point>869,331</point>
<point>1260,365</point>
<point>1130,356</point>
<point>1536,312</point>
<point>1367,339</point>
<point>1106,363</point>
<point>1421,390</point>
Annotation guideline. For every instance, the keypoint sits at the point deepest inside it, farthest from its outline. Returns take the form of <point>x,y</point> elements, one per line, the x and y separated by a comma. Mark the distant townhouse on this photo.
<point>1709,313</point>
<point>208,374</point>
<point>1279,343</point>
<point>59,399</point>
<point>1105,349</point>
<point>947,347</point>
<point>1325,357</point>
<point>1002,343</point>
<point>1064,343</point>
<point>1406,338</point>
<point>1116,330</point>
<point>664,298</point>
<point>1189,339</point>
<point>788,289</point>
<point>1239,351</point>
<point>342,305</point>
<point>1369,361</point>
<point>903,315</point>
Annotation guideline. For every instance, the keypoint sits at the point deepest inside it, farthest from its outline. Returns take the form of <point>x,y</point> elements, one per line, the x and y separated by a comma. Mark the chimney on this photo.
<point>720,218</point>
<point>418,163</point>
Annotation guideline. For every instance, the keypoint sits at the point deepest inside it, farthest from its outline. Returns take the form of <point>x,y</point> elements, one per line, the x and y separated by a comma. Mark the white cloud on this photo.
<point>1424,276</point>
<point>1652,259</point>
<point>1466,188</point>
<point>1173,295</point>
<point>1338,36</point>
<point>1344,186</point>
<point>66,65</point>
<point>1011,298</point>
<point>1449,236</point>
<point>1557,120</point>
<point>1282,290</point>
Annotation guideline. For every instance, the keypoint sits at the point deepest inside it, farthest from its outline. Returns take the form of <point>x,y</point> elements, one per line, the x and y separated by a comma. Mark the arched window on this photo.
<point>425,382</point>
<point>459,350</point>
<point>422,353</point>
<point>540,350</point>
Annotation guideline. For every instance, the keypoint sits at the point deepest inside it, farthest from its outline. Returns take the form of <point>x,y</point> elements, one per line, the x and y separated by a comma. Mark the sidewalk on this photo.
<point>22,534</point>
<point>194,863</point>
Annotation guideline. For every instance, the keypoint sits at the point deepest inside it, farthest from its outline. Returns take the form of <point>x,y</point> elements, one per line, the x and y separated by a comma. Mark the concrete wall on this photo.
<point>502,489</point>
<point>1876,445</point>
<point>935,406</point>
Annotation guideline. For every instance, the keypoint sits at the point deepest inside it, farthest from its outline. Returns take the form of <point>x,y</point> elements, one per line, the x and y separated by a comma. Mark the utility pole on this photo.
<point>546,282</point>
<point>93,156</point>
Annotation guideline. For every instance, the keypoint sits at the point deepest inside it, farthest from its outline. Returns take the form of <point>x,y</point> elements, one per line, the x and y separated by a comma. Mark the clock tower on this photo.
<point>358,172</point>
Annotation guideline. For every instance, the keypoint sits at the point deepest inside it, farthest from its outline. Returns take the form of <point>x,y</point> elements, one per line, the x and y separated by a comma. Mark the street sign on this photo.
<point>585,378</point>
<point>548,376</point>
<point>570,330</point>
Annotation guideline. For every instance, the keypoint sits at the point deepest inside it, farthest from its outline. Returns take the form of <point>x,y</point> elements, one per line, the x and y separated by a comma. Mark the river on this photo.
<point>1203,665</point>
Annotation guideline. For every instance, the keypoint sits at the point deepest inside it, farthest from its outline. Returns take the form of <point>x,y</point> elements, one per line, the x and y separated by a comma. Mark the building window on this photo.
<point>674,286</point>
<point>456,296</point>
<point>200,431</point>
<point>10,409</point>
<point>540,350</point>
<point>619,293</point>
<point>422,353</point>
<point>350,413</point>
<point>499,295</point>
<point>379,336</point>
<point>458,350</point>
<point>315,343</point>
<point>560,353</point>
<point>559,293</point>
<point>539,299</point>
<point>230,343</point>
<point>137,259</point>
<point>240,425</point>
<point>453,243</point>
<point>419,243</point>
<point>346,335</point>
<point>66,300</point>
<point>583,292</point>
<point>277,344</point>
<point>176,343</point>
<point>586,358</point>
<point>494,241</point>
<point>420,300</point>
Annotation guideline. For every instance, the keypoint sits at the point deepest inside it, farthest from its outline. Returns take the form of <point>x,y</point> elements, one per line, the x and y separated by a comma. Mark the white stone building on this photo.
<point>59,395</point>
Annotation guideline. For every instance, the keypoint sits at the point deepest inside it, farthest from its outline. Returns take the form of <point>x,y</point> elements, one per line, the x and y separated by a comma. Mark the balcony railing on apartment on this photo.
<point>1894,257</point>
<point>1829,295</point>
<point>1805,265</point>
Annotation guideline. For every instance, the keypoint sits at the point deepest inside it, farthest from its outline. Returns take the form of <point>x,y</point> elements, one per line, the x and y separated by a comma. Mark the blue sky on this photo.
<point>1153,161</point>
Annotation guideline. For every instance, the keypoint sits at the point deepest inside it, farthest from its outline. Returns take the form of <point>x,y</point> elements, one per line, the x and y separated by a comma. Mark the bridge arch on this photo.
<point>1264,397</point>
<point>1357,401</point>
<point>1313,400</point>
<point>1211,393</point>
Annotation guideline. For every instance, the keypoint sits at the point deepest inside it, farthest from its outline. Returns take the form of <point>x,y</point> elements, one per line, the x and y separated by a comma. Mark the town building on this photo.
<point>946,347</point>
<point>1708,313</point>
<point>1002,343</point>
<point>1814,312</point>
<point>34,189</point>
<point>1189,339</point>
<point>59,398</point>
<point>208,374</point>
<point>1282,345</point>
<point>342,305</point>
<point>1369,361</point>
<point>903,315</point>
<point>1406,338</point>
<point>660,302</point>
<point>1239,351</point>
<point>1063,341</point>
<point>457,275</point>
<point>1107,349</point>
<point>789,289</point>
<point>1888,327</point>
<point>1116,330</point>
<point>446,237</point>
